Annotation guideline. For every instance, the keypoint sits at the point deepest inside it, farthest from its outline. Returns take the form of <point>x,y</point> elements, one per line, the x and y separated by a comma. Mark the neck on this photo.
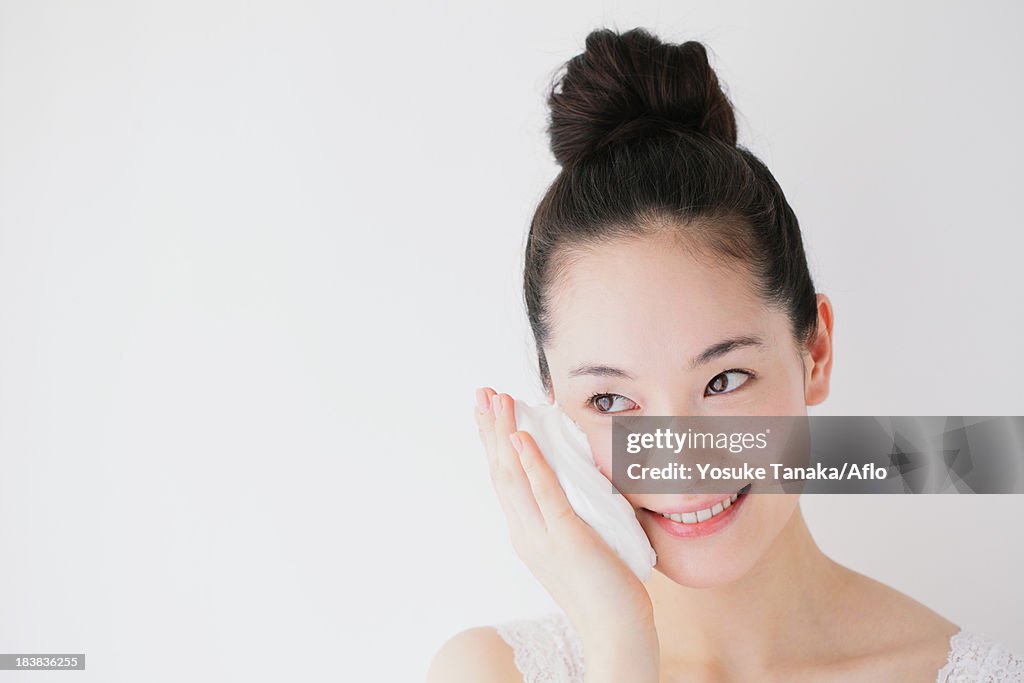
<point>782,600</point>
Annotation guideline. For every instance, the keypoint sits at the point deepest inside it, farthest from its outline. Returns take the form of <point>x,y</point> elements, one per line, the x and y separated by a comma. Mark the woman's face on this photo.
<point>632,321</point>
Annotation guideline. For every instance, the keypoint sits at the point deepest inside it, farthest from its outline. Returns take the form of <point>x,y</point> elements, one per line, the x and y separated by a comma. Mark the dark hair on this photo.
<point>647,142</point>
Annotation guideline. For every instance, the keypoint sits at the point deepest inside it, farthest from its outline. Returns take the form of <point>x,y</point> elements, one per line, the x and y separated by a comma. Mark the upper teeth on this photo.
<point>701,515</point>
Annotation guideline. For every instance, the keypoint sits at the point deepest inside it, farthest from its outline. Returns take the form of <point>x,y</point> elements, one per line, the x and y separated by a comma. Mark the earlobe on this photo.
<point>820,350</point>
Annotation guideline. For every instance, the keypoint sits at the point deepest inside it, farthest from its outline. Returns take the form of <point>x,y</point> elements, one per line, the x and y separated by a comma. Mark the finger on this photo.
<point>547,492</point>
<point>508,475</point>
<point>484,417</point>
<point>503,479</point>
<point>485,423</point>
<point>513,519</point>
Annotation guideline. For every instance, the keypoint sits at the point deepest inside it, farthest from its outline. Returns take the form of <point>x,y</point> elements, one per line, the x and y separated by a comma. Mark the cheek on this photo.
<point>785,397</point>
<point>600,438</point>
<point>766,520</point>
<point>773,512</point>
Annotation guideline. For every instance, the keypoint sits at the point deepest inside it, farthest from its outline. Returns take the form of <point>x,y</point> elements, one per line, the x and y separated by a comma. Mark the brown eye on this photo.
<point>727,381</point>
<point>610,403</point>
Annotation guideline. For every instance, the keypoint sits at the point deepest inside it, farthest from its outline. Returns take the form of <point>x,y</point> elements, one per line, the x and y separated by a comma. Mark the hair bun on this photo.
<point>632,85</point>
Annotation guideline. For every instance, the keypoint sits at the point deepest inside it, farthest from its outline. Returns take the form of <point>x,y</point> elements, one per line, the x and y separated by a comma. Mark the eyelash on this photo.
<point>750,375</point>
<point>593,397</point>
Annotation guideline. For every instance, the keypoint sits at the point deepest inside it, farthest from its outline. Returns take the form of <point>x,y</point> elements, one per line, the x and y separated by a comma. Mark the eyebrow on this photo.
<point>599,371</point>
<point>707,355</point>
<point>723,347</point>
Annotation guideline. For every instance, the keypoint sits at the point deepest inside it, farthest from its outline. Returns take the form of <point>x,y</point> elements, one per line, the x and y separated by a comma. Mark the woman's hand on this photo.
<point>606,603</point>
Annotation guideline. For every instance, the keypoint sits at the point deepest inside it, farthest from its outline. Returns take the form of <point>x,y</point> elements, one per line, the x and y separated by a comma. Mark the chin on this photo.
<point>702,572</point>
<point>728,554</point>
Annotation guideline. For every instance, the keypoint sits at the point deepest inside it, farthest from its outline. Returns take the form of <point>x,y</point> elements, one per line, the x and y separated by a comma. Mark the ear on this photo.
<point>818,358</point>
<point>551,394</point>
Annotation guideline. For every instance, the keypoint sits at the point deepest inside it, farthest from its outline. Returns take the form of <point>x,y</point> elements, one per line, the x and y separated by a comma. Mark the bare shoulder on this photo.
<point>475,654</point>
<point>898,612</point>
<point>895,631</point>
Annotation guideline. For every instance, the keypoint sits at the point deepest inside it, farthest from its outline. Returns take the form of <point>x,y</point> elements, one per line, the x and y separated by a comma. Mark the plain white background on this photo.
<point>255,257</point>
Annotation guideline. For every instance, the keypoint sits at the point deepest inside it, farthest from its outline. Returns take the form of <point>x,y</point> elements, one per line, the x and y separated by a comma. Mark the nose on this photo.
<point>673,406</point>
<point>697,418</point>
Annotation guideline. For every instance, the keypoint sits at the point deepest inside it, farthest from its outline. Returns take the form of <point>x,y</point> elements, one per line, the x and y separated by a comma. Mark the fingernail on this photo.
<point>481,401</point>
<point>517,443</point>
<point>496,404</point>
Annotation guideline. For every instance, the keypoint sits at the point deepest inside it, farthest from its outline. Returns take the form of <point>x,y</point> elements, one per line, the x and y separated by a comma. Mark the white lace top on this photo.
<point>547,650</point>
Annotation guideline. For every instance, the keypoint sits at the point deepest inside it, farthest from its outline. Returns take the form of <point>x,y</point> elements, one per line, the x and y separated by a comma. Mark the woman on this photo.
<point>665,275</point>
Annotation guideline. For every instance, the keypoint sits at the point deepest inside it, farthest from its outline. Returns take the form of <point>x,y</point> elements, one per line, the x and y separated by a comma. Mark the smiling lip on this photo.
<point>694,507</point>
<point>701,528</point>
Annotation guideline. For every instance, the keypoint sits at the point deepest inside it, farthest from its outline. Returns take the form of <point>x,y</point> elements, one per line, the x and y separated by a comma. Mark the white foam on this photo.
<point>590,493</point>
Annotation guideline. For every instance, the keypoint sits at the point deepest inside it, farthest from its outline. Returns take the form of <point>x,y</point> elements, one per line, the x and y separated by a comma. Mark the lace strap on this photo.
<point>977,658</point>
<point>545,649</point>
